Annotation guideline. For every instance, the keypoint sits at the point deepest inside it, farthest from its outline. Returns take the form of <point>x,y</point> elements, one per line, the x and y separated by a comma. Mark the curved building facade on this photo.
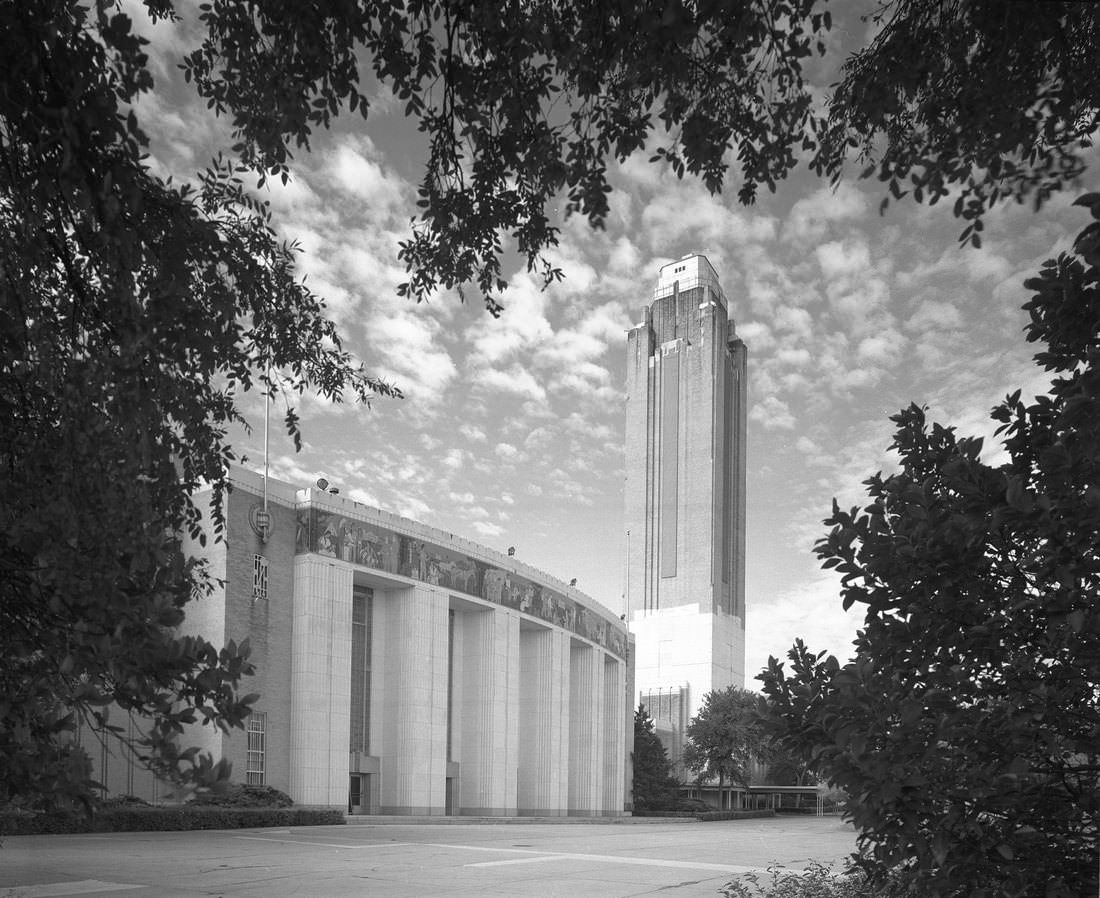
<point>404,670</point>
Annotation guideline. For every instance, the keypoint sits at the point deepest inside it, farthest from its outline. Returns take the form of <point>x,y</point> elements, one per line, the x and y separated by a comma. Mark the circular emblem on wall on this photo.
<point>262,521</point>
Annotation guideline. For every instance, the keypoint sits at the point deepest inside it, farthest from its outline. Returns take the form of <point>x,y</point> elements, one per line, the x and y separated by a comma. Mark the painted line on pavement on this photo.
<point>79,887</point>
<point>618,859</point>
<point>325,844</point>
<point>532,855</point>
<point>518,860</point>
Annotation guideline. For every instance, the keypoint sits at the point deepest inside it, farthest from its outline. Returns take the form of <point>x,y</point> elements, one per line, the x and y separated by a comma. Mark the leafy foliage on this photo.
<point>726,736</point>
<point>239,795</point>
<point>983,101</point>
<point>967,728</point>
<point>655,788</point>
<point>816,881</point>
<point>164,819</point>
<point>132,313</point>
<point>520,103</point>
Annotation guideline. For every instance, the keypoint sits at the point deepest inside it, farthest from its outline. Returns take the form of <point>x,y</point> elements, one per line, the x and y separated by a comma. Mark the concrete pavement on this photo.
<point>541,860</point>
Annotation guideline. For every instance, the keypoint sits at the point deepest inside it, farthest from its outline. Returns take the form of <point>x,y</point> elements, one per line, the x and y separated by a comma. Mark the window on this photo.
<point>259,578</point>
<point>257,742</point>
<point>362,620</point>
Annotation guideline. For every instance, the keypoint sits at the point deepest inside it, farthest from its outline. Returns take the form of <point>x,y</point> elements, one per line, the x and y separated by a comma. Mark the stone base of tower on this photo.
<point>682,654</point>
<point>682,645</point>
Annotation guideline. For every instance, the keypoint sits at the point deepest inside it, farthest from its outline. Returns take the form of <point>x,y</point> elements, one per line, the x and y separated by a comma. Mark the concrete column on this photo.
<point>485,711</point>
<point>320,682</point>
<point>544,723</point>
<point>614,737</point>
<point>412,628</point>
<point>586,697</point>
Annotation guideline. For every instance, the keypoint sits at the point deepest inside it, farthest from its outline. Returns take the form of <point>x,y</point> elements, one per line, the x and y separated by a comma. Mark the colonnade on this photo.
<point>474,708</point>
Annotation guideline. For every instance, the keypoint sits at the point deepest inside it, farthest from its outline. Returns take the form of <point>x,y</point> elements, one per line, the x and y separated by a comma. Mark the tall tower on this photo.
<point>685,496</point>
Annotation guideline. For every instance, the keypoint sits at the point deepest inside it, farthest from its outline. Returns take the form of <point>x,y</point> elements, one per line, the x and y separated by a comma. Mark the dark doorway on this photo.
<point>355,794</point>
<point>449,797</point>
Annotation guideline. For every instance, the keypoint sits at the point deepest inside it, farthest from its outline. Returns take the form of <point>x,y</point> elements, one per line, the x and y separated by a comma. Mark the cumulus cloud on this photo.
<point>810,218</point>
<point>882,348</point>
<point>773,414</point>
<point>793,320</point>
<point>487,528</point>
<point>757,336</point>
<point>934,314</point>
<point>521,326</point>
<point>358,494</point>
<point>862,308</point>
<point>412,507</point>
<point>843,259</point>
<point>791,357</point>
<point>514,380</point>
<point>358,176</point>
<point>409,347</point>
<point>810,611</point>
<point>455,458</point>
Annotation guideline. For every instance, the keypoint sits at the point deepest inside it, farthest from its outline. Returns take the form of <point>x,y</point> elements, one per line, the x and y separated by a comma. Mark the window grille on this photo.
<point>362,618</point>
<point>257,745</point>
<point>259,578</point>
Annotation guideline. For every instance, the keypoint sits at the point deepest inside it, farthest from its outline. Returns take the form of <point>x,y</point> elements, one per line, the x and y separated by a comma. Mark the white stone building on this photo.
<point>404,670</point>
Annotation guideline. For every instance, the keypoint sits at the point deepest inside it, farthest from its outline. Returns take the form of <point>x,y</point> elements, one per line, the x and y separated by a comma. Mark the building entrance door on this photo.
<point>355,794</point>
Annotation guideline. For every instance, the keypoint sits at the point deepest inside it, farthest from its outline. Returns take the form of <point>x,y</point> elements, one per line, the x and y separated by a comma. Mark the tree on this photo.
<point>133,311</point>
<point>965,729</point>
<point>726,736</point>
<point>654,785</point>
<point>978,102</point>
<point>521,102</point>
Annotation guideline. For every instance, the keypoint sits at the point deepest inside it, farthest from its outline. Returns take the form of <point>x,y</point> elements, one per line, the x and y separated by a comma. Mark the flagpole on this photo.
<point>267,437</point>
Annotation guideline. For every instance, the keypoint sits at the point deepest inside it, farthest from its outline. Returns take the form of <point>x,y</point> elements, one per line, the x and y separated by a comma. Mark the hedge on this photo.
<point>160,819</point>
<point>708,816</point>
<point>736,814</point>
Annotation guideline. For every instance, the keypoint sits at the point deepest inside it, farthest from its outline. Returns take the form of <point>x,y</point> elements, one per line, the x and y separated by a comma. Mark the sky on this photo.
<point>511,430</point>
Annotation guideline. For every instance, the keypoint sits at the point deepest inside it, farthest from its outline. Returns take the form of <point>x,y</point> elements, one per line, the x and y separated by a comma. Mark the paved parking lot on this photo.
<point>403,861</point>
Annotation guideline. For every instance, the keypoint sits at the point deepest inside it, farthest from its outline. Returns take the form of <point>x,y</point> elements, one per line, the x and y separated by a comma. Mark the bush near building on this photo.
<point>815,881</point>
<point>240,807</point>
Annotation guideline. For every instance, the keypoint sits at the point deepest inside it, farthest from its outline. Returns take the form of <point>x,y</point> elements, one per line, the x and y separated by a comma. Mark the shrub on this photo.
<point>816,881</point>
<point>124,801</point>
<point>244,796</point>
<point>708,816</point>
<point>161,819</point>
<point>735,814</point>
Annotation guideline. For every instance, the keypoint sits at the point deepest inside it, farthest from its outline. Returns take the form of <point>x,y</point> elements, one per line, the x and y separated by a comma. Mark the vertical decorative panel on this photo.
<point>726,400</point>
<point>613,739</point>
<point>361,625</point>
<point>670,461</point>
<point>543,723</point>
<point>413,740</point>
<point>487,704</point>
<point>585,717</point>
<point>320,682</point>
